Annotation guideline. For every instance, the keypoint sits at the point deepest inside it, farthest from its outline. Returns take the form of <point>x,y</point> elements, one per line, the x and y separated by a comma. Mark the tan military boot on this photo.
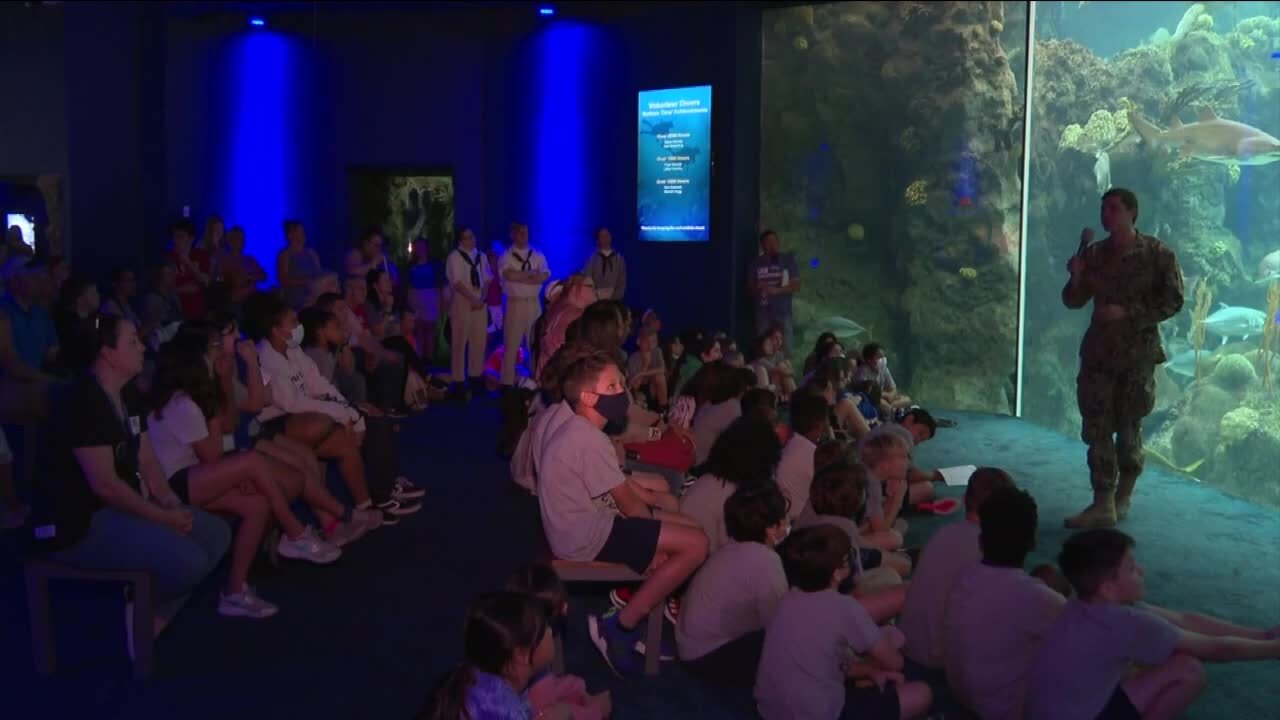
<point>1101,514</point>
<point>1123,492</point>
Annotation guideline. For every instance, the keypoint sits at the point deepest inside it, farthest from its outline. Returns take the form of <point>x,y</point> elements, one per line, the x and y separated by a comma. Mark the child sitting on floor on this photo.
<point>506,642</point>
<point>886,457</point>
<point>837,496</point>
<point>795,470</point>
<point>1082,668</point>
<point>950,551</point>
<point>732,597</point>
<point>819,640</point>
<point>551,690</point>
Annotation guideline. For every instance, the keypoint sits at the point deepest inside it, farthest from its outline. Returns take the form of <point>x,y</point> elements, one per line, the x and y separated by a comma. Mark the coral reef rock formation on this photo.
<point>913,137</point>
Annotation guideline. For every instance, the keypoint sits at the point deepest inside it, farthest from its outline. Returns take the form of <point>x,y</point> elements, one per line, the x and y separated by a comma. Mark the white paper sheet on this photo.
<point>957,476</point>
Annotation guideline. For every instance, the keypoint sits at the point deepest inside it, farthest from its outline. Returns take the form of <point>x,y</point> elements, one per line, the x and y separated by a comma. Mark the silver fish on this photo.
<point>1102,171</point>
<point>1233,321</point>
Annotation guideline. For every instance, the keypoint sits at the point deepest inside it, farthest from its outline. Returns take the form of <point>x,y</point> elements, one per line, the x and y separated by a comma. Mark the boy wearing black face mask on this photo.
<point>590,511</point>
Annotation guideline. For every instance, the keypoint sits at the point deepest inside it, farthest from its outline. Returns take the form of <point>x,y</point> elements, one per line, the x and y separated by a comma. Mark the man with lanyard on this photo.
<point>467,270</point>
<point>523,271</point>
<point>773,278</point>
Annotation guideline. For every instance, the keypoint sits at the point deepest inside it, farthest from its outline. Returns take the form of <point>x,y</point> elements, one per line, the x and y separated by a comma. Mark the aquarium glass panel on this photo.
<point>1179,102</point>
<point>891,156</point>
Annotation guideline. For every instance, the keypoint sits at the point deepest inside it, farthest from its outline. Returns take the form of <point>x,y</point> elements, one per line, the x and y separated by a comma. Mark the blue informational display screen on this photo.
<point>673,181</point>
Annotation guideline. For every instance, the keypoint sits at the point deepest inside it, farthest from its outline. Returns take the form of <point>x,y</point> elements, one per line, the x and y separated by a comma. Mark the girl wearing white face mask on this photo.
<point>304,405</point>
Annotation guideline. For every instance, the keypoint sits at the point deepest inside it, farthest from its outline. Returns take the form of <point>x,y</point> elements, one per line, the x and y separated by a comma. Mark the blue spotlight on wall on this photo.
<point>260,170</point>
<point>257,22</point>
<point>545,11</point>
<point>563,195</point>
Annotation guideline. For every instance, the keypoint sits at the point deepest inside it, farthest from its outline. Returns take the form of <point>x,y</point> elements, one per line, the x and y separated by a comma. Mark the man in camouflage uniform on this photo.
<point>1135,284</point>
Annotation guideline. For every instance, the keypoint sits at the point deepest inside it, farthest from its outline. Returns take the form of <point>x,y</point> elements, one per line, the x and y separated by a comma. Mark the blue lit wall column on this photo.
<point>261,179</point>
<point>561,116</point>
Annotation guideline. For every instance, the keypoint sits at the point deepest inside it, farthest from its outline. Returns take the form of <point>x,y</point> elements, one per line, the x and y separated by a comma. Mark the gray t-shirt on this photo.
<point>709,422</point>
<point>704,502</point>
<point>775,272</point>
<point>325,361</point>
<point>994,621</point>
<point>952,550</point>
<point>1086,654</point>
<point>808,644</point>
<point>577,469</point>
<point>795,472</point>
<point>875,486</point>
<point>809,518</point>
<point>734,593</point>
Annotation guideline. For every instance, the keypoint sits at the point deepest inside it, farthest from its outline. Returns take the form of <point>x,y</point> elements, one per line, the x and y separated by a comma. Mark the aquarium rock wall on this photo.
<point>890,165</point>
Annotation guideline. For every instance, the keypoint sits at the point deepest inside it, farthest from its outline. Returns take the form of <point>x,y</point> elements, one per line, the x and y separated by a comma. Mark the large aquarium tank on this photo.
<point>892,165</point>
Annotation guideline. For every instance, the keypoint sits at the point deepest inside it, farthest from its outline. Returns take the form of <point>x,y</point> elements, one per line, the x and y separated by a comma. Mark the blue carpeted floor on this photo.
<point>368,637</point>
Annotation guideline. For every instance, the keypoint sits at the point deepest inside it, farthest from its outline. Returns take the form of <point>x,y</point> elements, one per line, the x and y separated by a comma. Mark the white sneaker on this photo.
<point>399,507</point>
<point>308,546</point>
<point>245,603</point>
<point>348,532</point>
<point>368,518</point>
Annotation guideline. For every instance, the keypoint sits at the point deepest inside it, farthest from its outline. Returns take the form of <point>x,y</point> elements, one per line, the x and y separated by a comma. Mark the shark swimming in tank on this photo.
<point>1211,139</point>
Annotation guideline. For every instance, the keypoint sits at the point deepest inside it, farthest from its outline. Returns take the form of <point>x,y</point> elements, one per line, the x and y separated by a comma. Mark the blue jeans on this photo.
<point>178,563</point>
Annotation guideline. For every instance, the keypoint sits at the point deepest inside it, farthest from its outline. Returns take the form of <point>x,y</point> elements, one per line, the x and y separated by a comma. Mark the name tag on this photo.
<point>135,425</point>
<point>228,443</point>
<point>46,532</point>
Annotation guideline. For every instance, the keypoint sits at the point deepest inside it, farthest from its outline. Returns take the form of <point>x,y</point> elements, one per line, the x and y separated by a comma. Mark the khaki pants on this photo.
<point>521,314</point>
<point>466,338</point>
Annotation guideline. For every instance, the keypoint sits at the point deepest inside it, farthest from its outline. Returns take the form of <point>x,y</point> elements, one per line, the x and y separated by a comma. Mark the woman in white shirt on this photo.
<point>304,405</point>
<point>186,433</point>
<point>220,342</point>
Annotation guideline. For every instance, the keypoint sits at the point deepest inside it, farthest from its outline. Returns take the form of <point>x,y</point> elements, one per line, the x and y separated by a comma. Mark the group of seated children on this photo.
<point>229,426</point>
<point>819,620</point>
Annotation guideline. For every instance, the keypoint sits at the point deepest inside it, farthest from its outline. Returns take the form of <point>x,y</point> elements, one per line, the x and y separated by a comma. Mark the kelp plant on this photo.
<point>1270,340</point>
<point>1204,304</point>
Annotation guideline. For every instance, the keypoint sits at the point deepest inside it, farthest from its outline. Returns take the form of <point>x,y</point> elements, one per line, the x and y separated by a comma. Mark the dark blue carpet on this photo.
<point>368,637</point>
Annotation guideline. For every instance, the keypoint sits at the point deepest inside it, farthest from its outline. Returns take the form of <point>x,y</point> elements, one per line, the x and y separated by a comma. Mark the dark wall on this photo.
<point>84,75</point>
<point>33,132</point>
<point>110,69</point>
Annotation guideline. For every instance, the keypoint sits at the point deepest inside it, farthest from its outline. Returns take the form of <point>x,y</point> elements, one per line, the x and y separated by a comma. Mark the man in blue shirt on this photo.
<point>34,337</point>
<point>773,278</point>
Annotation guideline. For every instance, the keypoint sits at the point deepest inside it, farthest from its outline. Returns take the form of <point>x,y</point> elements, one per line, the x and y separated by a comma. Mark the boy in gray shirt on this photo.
<point>591,513</point>
<point>819,640</point>
<point>732,598</point>
<point>1079,672</point>
<point>950,551</point>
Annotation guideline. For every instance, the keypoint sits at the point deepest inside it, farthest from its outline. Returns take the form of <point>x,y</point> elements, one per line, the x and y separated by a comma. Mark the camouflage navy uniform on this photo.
<point>1116,386</point>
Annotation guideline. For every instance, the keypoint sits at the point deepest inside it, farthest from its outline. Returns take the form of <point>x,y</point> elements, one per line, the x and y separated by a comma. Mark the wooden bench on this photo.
<point>572,571</point>
<point>43,646</point>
